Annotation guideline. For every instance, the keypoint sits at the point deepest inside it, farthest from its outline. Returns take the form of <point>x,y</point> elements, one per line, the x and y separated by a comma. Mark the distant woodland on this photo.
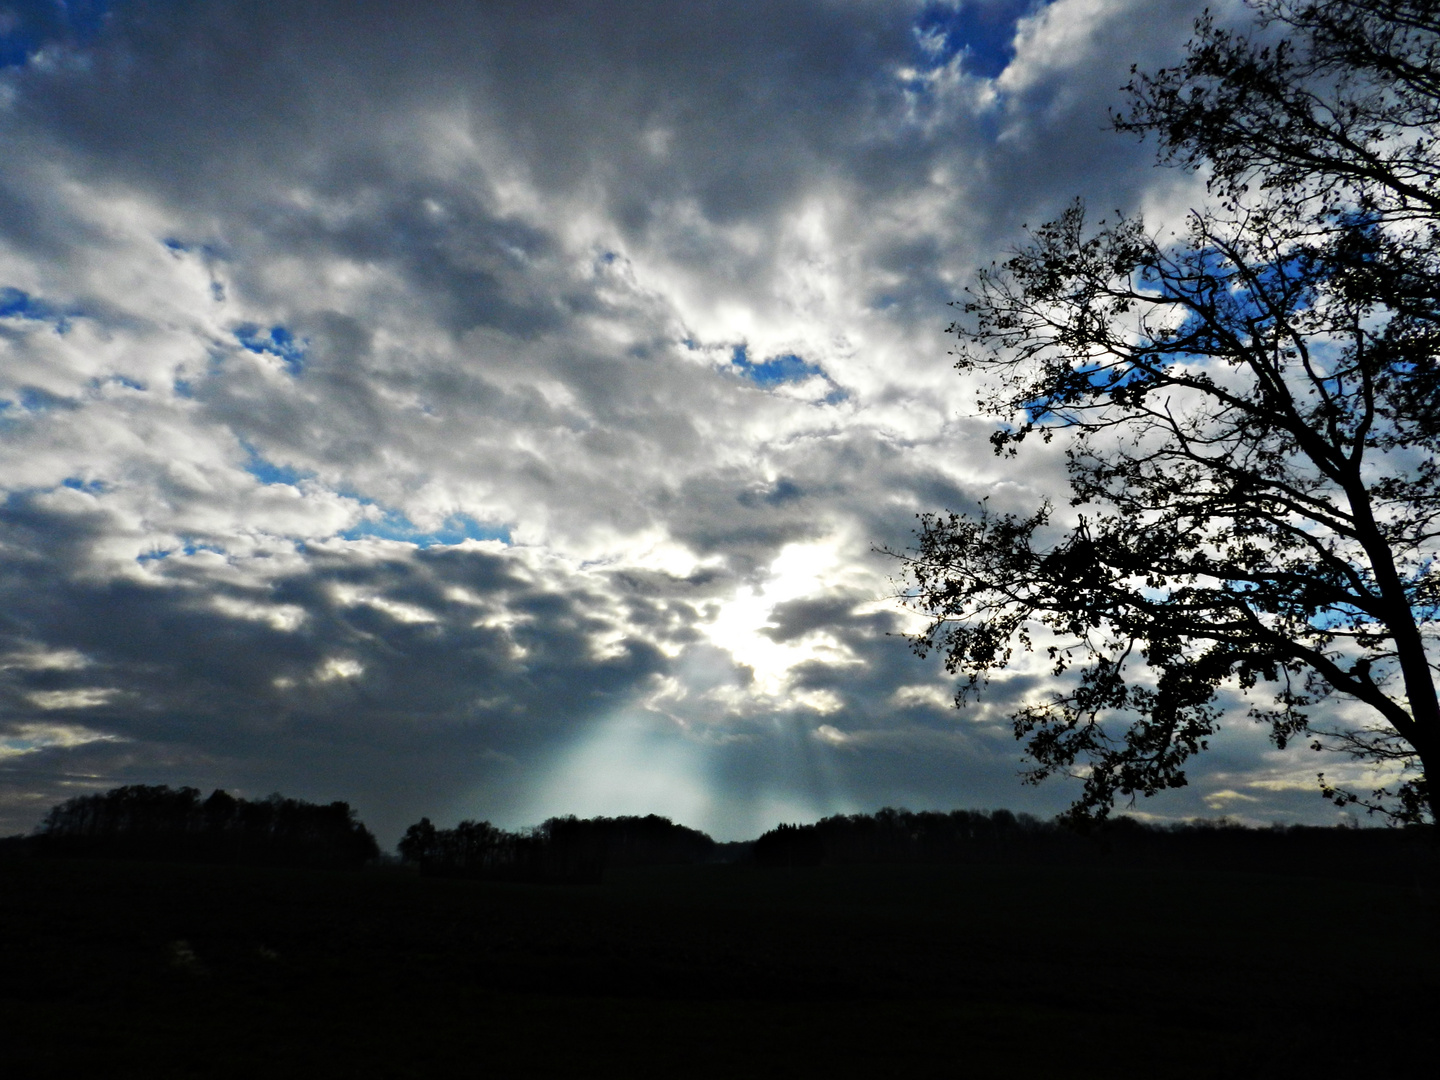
<point>175,824</point>
<point>562,849</point>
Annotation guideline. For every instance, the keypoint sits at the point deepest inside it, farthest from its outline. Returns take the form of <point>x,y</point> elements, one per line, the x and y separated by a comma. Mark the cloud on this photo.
<point>491,410</point>
<point>33,738</point>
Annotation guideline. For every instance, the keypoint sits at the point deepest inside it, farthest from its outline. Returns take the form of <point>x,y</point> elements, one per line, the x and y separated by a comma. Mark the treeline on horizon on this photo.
<point>174,824</point>
<point>156,822</point>
<point>561,849</point>
<point>970,836</point>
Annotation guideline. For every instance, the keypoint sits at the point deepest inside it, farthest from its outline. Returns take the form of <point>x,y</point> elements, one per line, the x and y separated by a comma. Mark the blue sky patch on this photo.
<point>27,26</point>
<point>266,471</point>
<point>178,247</point>
<point>277,341</point>
<point>34,399</point>
<point>982,30</point>
<point>779,369</point>
<point>188,546</point>
<point>18,304</point>
<point>458,527</point>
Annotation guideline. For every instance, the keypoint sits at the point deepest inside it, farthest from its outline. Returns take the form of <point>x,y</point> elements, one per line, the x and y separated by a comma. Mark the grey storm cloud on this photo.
<point>496,409</point>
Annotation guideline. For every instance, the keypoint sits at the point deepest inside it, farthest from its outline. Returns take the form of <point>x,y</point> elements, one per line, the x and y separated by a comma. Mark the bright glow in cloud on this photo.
<point>799,570</point>
<point>339,668</point>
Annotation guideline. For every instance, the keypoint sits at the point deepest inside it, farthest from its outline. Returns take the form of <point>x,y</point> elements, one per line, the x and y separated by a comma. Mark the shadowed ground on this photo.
<point>183,970</point>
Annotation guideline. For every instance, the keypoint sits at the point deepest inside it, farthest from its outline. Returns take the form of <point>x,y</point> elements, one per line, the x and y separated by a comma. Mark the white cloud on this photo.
<point>82,698</point>
<point>339,667</point>
<point>26,739</point>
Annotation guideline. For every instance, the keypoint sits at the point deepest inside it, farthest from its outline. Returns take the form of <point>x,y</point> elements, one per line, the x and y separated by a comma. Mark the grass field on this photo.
<point>160,970</point>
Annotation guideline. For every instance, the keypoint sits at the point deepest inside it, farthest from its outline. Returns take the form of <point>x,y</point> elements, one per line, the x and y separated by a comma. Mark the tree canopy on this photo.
<point>159,822</point>
<point>561,849</point>
<point>1250,414</point>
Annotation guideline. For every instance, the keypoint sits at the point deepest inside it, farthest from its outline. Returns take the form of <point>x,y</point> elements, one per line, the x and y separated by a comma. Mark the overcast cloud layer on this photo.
<point>490,410</point>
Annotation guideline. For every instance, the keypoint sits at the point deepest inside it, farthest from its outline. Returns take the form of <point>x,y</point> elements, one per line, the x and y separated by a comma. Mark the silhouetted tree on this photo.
<point>789,845</point>
<point>159,822</point>
<point>900,836</point>
<point>1253,410</point>
<point>625,841</point>
<point>892,836</point>
<point>419,842</point>
<point>561,849</point>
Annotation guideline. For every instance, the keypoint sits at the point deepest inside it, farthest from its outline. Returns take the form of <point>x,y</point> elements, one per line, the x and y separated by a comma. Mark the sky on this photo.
<point>495,410</point>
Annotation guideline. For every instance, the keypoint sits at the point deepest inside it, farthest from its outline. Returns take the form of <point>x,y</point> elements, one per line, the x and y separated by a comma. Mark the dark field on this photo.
<point>128,969</point>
